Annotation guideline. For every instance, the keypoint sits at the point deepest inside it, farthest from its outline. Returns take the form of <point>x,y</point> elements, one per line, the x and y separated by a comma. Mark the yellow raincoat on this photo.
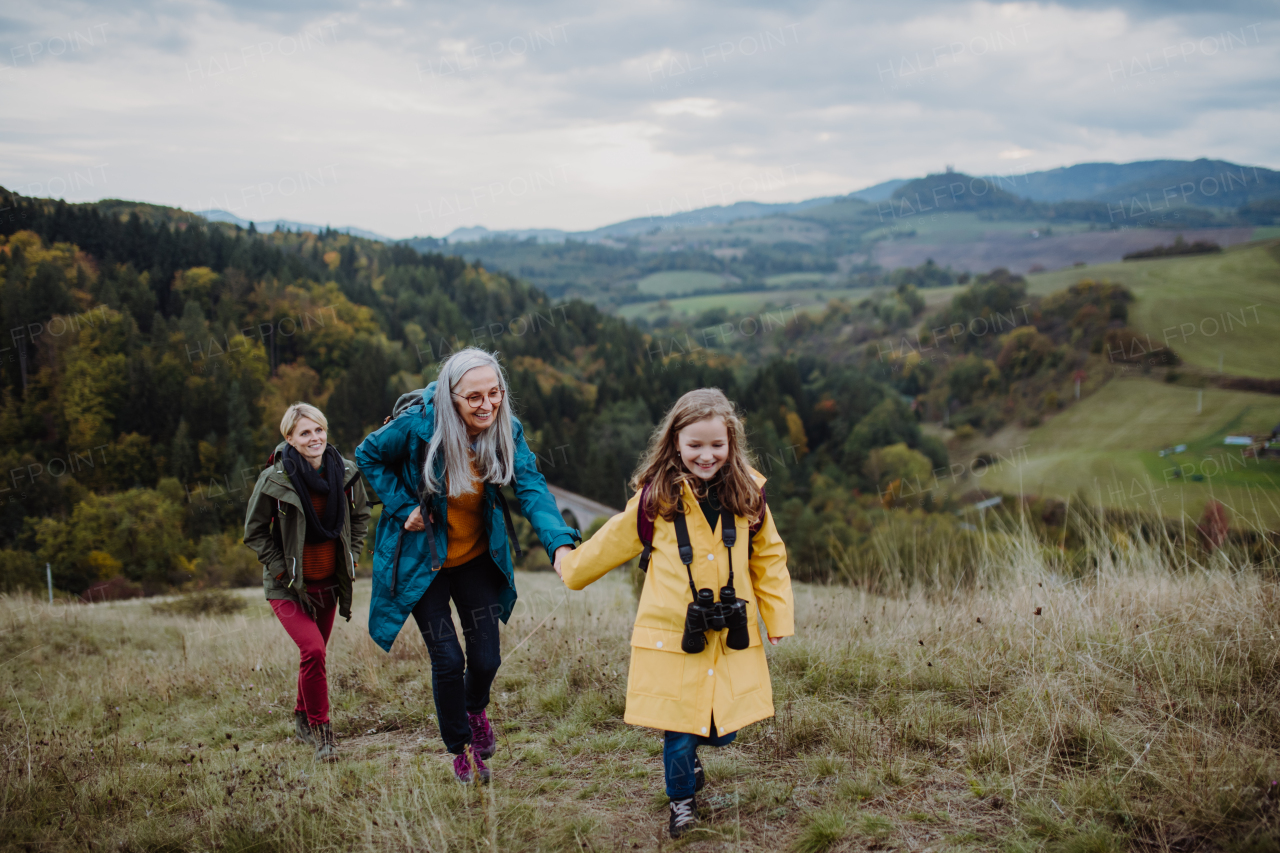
<point>666,688</point>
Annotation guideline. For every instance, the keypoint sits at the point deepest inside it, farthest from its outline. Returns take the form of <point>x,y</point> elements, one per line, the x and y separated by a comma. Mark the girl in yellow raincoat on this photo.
<point>696,467</point>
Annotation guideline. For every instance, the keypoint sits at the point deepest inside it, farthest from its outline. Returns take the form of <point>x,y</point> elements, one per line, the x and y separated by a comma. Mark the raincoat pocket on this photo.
<point>747,670</point>
<point>657,663</point>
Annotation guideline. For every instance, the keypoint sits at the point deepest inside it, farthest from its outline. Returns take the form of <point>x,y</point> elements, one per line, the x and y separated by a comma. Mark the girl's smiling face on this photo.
<point>704,447</point>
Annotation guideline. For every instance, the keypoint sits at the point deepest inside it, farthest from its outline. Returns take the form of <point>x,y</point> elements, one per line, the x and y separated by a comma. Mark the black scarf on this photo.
<point>307,480</point>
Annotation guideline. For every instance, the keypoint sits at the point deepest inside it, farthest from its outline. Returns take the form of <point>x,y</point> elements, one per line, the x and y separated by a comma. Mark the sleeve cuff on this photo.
<point>569,539</point>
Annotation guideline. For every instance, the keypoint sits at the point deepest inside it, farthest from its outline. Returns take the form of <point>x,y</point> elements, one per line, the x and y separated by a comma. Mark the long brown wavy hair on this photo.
<point>663,469</point>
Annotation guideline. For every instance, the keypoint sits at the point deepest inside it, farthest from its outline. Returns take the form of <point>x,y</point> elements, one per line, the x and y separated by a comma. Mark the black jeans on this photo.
<point>461,685</point>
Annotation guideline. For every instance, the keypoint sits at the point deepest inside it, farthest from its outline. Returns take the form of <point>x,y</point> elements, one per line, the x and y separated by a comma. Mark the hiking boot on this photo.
<point>468,767</point>
<point>482,739</point>
<point>684,816</point>
<point>326,746</point>
<point>699,777</point>
<point>302,728</point>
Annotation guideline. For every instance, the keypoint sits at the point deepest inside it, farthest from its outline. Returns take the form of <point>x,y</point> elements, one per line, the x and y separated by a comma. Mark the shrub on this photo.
<point>214,602</point>
<point>222,560</point>
<point>137,533</point>
<point>114,589</point>
<point>19,570</point>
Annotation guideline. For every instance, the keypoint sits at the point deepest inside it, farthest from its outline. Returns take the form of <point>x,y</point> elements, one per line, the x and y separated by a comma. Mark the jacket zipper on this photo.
<point>351,560</point>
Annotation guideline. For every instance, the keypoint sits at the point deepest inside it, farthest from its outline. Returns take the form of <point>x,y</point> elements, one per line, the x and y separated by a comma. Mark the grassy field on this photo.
<point>805,299</point>
<point>1108,444</point>
<point>792,278</point>
<point>961,227</point>
<point>683,281</point>
<point>1136,708</point>
<point>740,303</point>
<point>1191,296</point>
<point>771,229</point>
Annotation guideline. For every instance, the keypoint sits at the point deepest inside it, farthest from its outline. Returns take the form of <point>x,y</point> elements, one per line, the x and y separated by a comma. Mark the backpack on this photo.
<point>728,531</point>
<point>403,404</point>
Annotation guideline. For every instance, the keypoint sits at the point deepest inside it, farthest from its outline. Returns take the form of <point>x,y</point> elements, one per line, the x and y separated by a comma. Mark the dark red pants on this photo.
<point>311,635</point>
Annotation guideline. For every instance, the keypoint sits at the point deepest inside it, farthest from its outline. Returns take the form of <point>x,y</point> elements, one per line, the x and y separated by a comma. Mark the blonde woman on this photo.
<point>443,536</point>
<point>306,520</point>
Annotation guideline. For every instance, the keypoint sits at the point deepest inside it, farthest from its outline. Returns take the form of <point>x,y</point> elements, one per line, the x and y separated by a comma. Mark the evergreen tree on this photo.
<point>239,433</point>
<point>182,457</point>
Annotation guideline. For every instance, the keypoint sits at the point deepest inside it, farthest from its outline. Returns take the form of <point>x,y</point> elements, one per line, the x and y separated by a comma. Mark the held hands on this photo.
<point>774,640</point>
<point>559,556</point>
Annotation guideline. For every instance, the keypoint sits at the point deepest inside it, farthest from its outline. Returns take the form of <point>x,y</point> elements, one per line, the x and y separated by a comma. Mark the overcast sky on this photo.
<point>410,119</point>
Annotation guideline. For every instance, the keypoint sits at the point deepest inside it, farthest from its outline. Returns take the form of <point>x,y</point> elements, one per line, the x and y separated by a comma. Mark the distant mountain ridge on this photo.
<point>1203,182</point>
<point>288,225</point>
<point>1198,183</point>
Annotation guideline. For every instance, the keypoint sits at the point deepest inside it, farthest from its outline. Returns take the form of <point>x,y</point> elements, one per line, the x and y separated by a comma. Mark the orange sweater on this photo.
<point>319,560</point>
<point>466,523</point>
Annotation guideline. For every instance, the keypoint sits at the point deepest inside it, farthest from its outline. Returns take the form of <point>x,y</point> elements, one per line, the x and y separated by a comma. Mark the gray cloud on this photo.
<point>433,116</point>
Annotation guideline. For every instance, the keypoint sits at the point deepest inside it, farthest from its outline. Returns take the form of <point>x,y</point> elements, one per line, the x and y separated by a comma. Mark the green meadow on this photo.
<point>739,303</point>
<point>1211,309</point>
<point>789,279</point>
<point>1107,448</point>
<point>964,227</point>
<point>682,281</point>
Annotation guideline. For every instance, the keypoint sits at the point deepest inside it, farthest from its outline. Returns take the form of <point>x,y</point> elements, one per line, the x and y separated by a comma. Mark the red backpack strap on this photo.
<point>644,529</point>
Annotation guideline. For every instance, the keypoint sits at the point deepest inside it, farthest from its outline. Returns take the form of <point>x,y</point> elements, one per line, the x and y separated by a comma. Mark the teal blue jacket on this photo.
<point>390,458</point>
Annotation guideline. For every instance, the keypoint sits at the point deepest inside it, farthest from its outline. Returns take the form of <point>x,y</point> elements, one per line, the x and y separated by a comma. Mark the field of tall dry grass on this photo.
<point>1132,704</point>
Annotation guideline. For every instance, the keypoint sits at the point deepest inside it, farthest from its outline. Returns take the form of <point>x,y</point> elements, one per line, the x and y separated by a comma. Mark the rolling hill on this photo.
<point>1185,301</point>
<point>287,225</point>
<point>1090,213</point>
<point>1091,451</point>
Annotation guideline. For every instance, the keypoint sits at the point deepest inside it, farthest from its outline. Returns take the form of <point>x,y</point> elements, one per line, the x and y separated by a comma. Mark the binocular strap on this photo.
<point>728,534</point>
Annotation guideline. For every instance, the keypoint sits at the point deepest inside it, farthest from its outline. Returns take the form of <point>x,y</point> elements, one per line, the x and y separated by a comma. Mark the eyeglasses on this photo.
<point>474,400</point>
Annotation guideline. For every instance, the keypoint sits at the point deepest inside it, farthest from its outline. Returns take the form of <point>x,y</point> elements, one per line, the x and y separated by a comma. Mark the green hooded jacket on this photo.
<point>279,545</point>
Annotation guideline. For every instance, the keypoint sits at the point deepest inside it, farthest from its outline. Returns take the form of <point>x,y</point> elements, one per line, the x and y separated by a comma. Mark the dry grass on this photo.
<point>1134,708</point>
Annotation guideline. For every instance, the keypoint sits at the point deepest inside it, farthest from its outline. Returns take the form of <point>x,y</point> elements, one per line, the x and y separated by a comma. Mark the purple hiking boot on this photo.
<point>482,738</point>
<point>468,767</point>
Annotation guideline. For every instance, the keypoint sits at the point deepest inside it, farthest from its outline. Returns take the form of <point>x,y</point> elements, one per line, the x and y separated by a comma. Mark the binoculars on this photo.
<point>707,614</point>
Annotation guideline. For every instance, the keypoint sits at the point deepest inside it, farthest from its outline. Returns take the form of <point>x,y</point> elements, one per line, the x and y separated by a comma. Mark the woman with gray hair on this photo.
<point>439,466</point>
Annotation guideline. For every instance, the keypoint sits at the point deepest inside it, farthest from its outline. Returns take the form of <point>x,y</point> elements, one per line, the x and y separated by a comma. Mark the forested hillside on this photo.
<point>151,355</point>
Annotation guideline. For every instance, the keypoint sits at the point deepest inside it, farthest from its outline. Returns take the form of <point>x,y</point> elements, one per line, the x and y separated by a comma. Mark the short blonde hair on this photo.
<point>297,412</point>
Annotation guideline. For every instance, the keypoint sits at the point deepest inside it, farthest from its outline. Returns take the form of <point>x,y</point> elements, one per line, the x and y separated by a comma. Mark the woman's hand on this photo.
<point>774,640</point>
<point>559,555</point>
<point>414,522</point>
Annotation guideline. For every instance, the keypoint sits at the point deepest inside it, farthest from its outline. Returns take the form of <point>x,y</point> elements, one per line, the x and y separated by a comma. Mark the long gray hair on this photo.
<point>495,448</point>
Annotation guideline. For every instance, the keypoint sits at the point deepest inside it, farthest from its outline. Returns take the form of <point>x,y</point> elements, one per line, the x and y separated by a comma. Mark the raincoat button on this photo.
<point>704,730</point>
<point>658,644</point>
<point>711,556</point>
<point>711,672</point>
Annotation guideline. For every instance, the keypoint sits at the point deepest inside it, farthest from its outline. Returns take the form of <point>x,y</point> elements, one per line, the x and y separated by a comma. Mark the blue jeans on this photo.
<point>460,685</point>
<point>678,751</point>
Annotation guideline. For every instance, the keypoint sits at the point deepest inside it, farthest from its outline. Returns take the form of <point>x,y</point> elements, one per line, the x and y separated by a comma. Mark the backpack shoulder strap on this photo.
<point>511,528</point>
<point>644,529</point>
<point>758,523</point>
